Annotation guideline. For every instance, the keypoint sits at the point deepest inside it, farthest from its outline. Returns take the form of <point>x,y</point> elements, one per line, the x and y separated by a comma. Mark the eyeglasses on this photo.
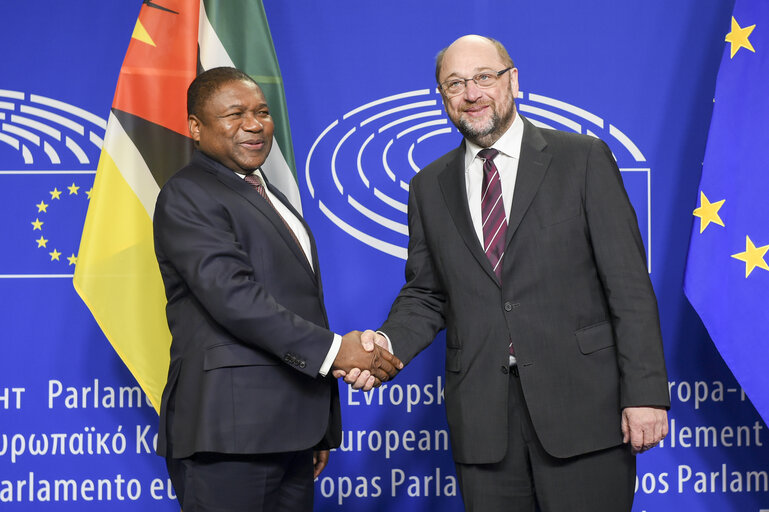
<point>456,86</point>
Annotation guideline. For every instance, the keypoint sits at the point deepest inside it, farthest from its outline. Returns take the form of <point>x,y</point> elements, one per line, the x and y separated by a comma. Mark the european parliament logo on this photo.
<point>359,166</point>
<point>49,150</point>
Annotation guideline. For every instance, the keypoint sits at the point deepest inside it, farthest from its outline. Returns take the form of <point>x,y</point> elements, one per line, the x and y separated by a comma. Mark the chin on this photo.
<point>473,131</point>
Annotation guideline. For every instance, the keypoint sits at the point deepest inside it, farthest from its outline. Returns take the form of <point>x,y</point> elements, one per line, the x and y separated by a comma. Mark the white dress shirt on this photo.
<point>509,147</point>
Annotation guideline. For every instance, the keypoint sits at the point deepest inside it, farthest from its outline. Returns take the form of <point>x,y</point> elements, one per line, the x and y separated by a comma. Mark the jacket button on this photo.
<point>508,306</point>
<point>302,364</point>
<point>504,369</point>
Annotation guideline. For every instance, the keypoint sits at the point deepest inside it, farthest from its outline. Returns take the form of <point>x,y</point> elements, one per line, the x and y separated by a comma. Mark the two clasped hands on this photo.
<point>364,360</point>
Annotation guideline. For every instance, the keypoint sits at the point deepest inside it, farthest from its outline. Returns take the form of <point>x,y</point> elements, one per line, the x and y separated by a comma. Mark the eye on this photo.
<point>454,84</point>
<point>263,113</point>
<point>484,77</point>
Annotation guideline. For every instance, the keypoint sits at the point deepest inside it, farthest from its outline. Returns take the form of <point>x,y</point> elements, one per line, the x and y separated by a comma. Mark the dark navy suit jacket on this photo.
<point>248,324</point>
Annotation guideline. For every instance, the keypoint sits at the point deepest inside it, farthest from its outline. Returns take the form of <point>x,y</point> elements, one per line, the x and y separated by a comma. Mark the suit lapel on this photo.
<point>287,236</point>
<point>240,187</point>
<point>454,190</point>
<point>532,166</point>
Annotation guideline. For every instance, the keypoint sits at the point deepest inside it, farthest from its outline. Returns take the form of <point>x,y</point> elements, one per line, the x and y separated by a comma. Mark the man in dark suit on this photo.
<point>524,247</point>
<point>247,415</point>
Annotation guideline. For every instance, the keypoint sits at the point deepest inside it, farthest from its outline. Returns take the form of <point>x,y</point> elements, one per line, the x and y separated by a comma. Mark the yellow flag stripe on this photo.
<point>117,276</point>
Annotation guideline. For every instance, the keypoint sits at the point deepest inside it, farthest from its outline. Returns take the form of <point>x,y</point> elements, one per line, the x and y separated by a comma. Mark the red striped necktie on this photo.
<point>493,217</point>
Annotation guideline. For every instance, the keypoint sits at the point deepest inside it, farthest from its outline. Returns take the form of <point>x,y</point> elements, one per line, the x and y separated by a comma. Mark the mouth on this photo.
<point>252,144</point>
<point>476,110</point>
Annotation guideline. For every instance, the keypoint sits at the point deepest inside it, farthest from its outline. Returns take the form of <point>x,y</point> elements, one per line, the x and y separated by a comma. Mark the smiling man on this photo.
<point>524,247</point>
<point>247,415</point>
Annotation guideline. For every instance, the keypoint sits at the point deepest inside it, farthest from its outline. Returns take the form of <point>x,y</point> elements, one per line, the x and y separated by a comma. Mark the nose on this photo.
<point>472,91</point>
<point>251,123</point>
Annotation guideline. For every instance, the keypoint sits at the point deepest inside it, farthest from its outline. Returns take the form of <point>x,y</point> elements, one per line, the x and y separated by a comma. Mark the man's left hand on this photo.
<point>319,461</point>
<point>644,427</point>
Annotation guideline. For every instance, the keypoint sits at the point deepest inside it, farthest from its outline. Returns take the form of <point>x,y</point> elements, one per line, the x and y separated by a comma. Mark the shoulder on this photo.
<point>194,187</point>
<point>431,171</point>
<point>557,139</point>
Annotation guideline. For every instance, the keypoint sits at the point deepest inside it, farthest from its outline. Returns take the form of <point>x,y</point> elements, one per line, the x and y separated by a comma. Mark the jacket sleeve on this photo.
<point>621,263</point>
<point>417,314</point>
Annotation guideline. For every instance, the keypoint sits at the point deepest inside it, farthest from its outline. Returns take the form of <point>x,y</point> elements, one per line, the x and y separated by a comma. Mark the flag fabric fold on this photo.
<point>146,141</point>
<point>727,275</point>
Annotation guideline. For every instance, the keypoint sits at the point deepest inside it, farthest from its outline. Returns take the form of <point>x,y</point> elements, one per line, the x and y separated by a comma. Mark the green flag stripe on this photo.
<point>235,21</point>
<point>262,79</point>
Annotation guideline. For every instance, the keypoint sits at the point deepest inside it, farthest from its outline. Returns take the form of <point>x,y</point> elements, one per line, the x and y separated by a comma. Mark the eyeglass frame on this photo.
<point>474,78</point>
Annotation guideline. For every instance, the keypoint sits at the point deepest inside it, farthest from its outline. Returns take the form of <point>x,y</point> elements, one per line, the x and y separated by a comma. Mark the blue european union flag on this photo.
<point>727,276</point>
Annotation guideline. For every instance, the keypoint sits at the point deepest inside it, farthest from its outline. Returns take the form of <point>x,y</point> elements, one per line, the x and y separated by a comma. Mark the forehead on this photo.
<point>469,56</point>
<point>239,92</point>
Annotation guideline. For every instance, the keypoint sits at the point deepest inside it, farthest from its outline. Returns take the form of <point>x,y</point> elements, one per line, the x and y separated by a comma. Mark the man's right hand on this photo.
<point>380,363</point>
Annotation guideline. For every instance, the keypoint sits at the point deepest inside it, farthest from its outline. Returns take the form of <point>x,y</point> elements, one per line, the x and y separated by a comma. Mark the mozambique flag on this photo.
<point>727,276</point>
<point>146,141</point>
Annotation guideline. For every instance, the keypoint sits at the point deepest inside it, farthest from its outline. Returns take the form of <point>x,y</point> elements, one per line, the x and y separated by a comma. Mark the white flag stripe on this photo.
<point>131,165</point>
<point>212,51</point>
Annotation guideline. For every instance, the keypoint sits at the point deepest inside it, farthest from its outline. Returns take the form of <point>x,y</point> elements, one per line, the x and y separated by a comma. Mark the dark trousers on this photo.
<point>530,479</point>
<point>217,482</point>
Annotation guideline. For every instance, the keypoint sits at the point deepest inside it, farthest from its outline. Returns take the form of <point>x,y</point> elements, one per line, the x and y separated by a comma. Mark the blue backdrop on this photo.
<point>359,81</point>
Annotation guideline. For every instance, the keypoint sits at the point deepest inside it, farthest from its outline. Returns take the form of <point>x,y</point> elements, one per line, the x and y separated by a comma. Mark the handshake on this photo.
<point>364,360</point>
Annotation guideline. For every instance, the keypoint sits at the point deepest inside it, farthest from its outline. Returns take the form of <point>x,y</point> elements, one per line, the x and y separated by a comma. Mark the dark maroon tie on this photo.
<point>493,217</point>
<point>256,182</point>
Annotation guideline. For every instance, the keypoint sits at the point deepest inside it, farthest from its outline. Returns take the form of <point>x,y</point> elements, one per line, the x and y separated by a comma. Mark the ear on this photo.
<point>445,100</point>
<point>193,124</point>
<point>514,82</point>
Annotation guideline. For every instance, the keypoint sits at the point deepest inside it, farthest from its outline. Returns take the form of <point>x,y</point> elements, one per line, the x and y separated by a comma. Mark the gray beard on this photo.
<point>486,137</point>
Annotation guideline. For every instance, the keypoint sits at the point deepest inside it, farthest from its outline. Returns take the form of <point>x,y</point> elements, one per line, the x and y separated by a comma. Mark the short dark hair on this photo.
<point>208,82</point>
<point>500,50</point>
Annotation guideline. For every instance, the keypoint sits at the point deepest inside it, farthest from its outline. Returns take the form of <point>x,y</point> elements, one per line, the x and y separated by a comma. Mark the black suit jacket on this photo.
<point>575,300</point>
<point>249,329</point>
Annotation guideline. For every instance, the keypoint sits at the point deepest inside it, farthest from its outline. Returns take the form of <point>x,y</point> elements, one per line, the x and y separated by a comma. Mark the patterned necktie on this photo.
<point>493,217</point>
<point>255,180</point>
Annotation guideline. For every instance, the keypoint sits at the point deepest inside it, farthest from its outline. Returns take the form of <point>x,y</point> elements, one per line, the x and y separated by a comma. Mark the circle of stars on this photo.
<point>42,209</point>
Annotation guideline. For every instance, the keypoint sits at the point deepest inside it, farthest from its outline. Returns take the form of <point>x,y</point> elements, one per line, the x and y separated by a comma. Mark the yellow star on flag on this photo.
<point>41,242</point>
<point>73,189</point>
<point>738,38</point>
<point>55,255</point>
<point>753,256</point>
<point>89,192</point>
<point>37,225</point>
<point>55,193</point>
<point>42,207</point>
<point>72,259</point>
<point>708,212</point>
<point>141,34</point>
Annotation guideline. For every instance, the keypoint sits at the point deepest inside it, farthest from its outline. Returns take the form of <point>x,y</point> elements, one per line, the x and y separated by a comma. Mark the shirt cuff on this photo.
<point>331,356</point>
<point>389,343</point>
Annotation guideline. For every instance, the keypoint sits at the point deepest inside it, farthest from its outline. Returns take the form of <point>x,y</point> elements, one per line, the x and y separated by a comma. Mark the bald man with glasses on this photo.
<point>525,248</point>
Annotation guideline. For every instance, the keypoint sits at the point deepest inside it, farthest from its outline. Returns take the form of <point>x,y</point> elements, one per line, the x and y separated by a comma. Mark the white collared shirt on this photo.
<point>509,147</point>
<point>293,222</point>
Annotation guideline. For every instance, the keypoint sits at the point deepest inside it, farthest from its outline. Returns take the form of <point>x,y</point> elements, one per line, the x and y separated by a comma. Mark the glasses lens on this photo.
<point>453,87</point>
